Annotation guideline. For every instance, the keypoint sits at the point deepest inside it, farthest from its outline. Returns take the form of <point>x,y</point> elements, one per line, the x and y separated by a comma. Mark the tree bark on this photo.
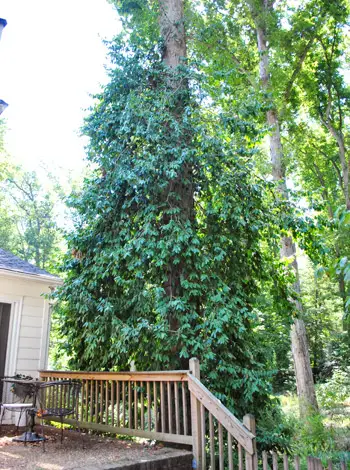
<point>299,343</point>
<point>172,30</point>
<point>345,164</point>
<point>179,191</point>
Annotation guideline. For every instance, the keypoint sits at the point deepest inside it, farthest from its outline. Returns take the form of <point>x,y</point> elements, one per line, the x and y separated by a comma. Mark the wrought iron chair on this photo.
<point>18,406</point>
<point>59,399</point>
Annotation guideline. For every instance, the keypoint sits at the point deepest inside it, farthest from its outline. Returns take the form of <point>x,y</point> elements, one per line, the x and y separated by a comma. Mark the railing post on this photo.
<point>196,418</point>
<point>251,461</point>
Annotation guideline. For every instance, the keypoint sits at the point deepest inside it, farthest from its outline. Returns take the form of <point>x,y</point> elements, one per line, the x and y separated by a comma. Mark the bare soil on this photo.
<point>98,452</point>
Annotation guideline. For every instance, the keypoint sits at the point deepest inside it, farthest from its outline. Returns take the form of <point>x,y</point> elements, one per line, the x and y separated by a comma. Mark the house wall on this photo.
<point>29,325</point>
<point>28,341</point>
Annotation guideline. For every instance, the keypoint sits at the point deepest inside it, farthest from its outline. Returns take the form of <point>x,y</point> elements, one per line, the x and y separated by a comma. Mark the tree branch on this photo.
<point>297,69</point>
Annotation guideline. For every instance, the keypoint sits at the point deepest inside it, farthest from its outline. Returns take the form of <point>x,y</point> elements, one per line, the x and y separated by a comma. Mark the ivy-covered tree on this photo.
<point>174,234</point>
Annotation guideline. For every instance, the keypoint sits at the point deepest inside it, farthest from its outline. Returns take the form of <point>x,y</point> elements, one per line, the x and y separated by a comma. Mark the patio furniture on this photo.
<point>28,390</point>
<point>59,399</point>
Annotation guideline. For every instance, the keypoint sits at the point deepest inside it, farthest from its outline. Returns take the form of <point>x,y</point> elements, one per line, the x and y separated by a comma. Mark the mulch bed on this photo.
<point>99,452</point>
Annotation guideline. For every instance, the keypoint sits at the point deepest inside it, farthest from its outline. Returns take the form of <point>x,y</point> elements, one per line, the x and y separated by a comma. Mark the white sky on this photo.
<point>52,57</point>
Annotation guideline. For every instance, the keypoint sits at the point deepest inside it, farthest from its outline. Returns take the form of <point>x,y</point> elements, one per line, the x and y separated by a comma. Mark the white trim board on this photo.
<point>49,280</point>
<point>12,344</point>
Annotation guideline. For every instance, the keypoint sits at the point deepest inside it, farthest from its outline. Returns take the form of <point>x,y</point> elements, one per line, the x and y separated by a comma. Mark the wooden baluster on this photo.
<point>136,405</point>
<point>274,461</point>
<point>229,449</point>
<point>203,437</point>
<point>343,465</point>
<point>240,457</point>
<point>310,465</point>
<point>251,460</point>
<point>195,417</point>
<point>130,404</point>
<point>155,406</point>
<point>142,398</point>
<point>149,409</point>
<point>285,462</point>
<point>96,401</point>
<point>91,399</point>
<point>170,408</point>
<point>177,408</point>
<point>86,401</point>
<point>162,406</point>
<point>82,400</point>
<point>124,402</point>
<point>264,460</point>
<point>101,401</point>
<point>118,403</point>
<point>184,408</point>
<point>212,442</point>
<point>112,402</point>
<point>297,463</point>
<point>107,384</point>
<point>221,447</point>
<point>330,465</point>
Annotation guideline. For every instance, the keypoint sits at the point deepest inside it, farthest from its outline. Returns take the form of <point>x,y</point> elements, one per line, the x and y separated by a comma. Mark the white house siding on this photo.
<point>29,341</point>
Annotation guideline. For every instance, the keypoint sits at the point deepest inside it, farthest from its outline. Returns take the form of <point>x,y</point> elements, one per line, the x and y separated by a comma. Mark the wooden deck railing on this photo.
<point>153,405</point>
<point>172,406</point>
<point>220,440</point>
<point>175,406</point>
<point>276,461</point>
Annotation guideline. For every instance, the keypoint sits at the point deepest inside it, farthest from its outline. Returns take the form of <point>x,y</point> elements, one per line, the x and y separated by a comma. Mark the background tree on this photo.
<point>37,230</point>
<point>7,223</point>
<point>29,213</point>
<point>251,36</point>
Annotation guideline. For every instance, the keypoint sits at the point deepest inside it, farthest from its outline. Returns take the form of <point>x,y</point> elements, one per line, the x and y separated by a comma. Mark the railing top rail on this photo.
<point>239,432</point>
<point>152,376</point>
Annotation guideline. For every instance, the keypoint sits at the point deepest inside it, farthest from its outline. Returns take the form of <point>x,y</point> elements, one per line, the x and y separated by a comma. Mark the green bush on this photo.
<point>336,390</point>
<point>275,429</point>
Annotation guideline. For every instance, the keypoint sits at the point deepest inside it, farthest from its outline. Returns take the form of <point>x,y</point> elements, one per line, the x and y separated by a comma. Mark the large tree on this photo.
<point>261,11</point>
<point>258,60</point>
<point>174,234</point>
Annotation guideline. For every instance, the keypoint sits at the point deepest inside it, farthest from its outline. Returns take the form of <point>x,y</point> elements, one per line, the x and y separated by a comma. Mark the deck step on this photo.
<point>168,462</point>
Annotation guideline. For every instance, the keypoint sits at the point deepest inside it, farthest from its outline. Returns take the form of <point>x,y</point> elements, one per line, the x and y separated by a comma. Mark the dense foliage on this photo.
<point>117,309</point>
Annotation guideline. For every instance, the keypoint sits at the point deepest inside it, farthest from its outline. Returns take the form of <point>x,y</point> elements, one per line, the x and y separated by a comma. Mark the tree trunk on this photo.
<point>172,30</point>
<point>179,191</point>
<point>302,367</point>
<point>299,343</point>
<point>345,164</point>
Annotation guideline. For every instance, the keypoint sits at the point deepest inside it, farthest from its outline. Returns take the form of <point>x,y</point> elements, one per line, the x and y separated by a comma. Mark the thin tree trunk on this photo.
<point>299,343</point>
<point>345,165</point>
<point>344,181</point>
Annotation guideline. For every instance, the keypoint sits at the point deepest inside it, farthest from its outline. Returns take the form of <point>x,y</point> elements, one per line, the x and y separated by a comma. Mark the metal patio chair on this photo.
<point>59,399</point>
<point>21,406</point>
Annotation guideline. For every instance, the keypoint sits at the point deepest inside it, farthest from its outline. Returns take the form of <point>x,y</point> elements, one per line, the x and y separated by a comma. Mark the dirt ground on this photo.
<point>99,452</point>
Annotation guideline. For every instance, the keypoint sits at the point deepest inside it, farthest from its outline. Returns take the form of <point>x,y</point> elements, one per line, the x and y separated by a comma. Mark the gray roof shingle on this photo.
<point>11,262</point>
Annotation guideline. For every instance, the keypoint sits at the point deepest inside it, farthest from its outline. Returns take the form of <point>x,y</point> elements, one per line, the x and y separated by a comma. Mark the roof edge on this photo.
<point>53,280</point>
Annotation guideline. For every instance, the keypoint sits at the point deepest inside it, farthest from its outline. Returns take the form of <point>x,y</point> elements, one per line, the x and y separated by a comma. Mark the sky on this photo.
<point>52,57</point>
